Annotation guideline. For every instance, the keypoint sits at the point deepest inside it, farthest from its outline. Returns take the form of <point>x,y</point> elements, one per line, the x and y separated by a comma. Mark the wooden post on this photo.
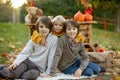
<point>105,24</point>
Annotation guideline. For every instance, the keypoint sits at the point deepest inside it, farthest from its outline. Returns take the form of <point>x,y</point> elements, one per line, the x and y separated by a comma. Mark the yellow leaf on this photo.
<point>12,46</point>
<point>116,78</point>
<point>1,39</point>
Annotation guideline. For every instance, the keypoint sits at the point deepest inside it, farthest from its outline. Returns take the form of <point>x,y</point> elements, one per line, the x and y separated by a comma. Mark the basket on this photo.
<point>107,62</point>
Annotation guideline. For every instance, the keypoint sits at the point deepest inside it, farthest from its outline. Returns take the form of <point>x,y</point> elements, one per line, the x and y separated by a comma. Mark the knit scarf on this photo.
<point>58,34</point>
<point>36,37</point>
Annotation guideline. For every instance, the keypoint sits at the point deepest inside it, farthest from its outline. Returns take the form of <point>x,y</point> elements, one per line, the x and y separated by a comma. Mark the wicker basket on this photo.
<point>107,63</point>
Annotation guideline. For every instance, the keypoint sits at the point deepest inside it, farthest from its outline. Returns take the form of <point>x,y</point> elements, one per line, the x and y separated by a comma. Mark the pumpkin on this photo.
<point>79,16</point>
<point>88,10</point>
<point>88,17</point>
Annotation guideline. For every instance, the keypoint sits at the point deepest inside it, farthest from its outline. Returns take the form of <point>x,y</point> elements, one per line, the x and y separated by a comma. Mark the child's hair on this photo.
<point>73,23</point>
<point>59,18</point>
<point>46,21</point>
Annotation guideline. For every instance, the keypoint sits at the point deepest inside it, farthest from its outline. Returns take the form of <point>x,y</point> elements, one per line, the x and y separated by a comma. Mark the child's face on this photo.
<point>71,31</point>
<point>43,30</point>
<point>58,26</point>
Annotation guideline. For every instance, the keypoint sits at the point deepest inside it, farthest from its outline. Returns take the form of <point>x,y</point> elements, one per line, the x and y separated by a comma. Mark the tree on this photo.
<point>112,5</point>
<point>5,16</point>
<point>117,20</point>
<point>58,7</point>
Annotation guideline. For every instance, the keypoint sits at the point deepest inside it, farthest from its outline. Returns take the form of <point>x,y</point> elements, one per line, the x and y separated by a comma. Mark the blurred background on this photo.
<point>14,33</point>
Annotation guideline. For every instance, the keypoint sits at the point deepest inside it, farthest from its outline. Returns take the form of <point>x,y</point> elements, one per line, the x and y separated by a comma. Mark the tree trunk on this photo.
<point>13,16</point>
<point>117,20</point>
<point>16,15</point>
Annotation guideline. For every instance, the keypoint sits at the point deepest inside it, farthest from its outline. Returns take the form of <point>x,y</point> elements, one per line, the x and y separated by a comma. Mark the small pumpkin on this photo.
<point>79,16</point>
<point>88,17</point>
<point>89,10</point>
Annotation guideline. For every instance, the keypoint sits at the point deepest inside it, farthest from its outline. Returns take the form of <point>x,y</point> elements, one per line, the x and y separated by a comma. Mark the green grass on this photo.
<point>18,35</point>
<point>109,39</point>
<point>13,34</point>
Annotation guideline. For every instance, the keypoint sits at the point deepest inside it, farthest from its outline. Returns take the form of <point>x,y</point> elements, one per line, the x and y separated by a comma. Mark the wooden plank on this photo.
<point>86,29</point>
<point>32,24</point>
<point>88,22</point>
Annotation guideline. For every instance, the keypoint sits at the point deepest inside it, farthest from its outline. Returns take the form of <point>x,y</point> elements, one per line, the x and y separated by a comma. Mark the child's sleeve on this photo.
<point>57,56</point>
<point>36,37</point>
<point>80,37</point>
<point>25,53</point>
<point>84,57</point>
<point>51,55</point>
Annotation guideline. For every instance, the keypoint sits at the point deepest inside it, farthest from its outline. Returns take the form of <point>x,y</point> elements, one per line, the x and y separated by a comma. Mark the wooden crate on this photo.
<point>86,29</point>
<point>32,28</point>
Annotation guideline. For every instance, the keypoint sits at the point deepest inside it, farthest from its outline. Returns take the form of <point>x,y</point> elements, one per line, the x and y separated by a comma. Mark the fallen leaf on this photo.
<point>19,43</point>
<point>1,39</point>
<point>116,77</point>
<point>19,49</point>
<point>12,46</point>
<point>4,54</point>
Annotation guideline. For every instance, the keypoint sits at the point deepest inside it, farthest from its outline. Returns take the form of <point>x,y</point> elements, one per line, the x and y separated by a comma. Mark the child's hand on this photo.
<point>75,41</point>
<point>78,73</point>
<point>43,42</point>
<point>12,66</point>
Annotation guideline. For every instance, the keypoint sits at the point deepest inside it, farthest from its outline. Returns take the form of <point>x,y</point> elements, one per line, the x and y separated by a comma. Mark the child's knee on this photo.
<point>30,75</point>
<point>5,72</point>
<point>87,72</point>
<point>94,67</point>
<point>96,70</point>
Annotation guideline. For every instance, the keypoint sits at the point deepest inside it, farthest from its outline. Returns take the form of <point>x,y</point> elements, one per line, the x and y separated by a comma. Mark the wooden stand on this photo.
<point>32,28</point>
<point>86,29</point>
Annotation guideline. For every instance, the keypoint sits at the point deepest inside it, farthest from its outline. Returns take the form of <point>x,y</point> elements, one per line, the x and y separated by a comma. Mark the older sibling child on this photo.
<point>34,57</point>
<point>66,59</point>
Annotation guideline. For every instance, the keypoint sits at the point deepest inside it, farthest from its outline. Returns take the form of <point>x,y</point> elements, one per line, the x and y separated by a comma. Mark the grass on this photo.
<point>12,36</point>
<point>109,39</point>
<point>15,36</point>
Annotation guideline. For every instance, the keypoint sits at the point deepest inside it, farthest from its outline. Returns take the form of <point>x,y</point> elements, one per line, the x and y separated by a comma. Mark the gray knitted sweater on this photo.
<point>39,54</point>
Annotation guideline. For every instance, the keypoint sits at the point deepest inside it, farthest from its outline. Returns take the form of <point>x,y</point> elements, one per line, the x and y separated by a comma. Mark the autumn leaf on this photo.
<point>12,46</point>
<point>4,54</point>
<point>1,39</point>
<point>19,49</point>
<point>116,77</point>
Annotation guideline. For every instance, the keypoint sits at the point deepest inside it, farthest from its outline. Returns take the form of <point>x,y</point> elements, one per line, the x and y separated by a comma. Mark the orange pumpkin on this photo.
<point>79,16</point>
<point>88,17</point>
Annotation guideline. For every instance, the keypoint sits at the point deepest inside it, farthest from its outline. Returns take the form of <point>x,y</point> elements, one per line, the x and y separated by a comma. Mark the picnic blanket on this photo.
<point>61,76</point>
